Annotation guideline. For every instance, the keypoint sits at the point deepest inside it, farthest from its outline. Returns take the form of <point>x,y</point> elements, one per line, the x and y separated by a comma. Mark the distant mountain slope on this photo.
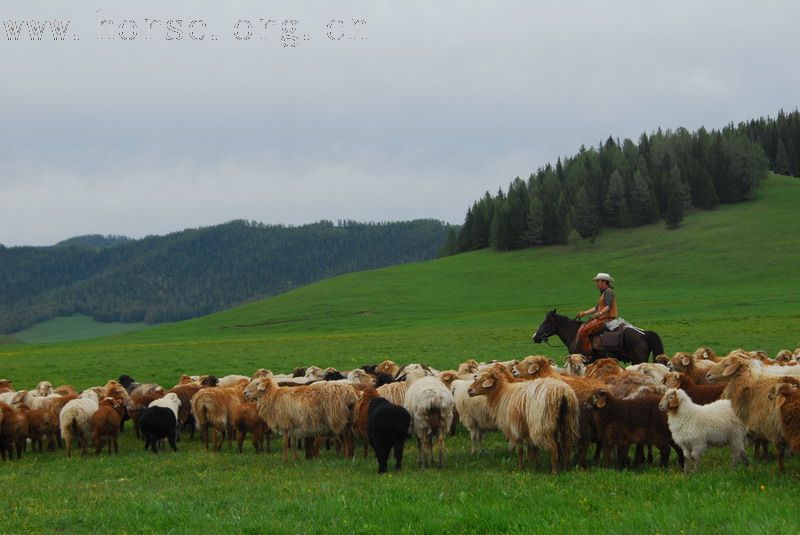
<point>93,241</point>
<point>195,272</point>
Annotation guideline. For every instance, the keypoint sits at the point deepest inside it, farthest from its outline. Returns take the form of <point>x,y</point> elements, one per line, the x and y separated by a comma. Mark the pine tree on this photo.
<point>782,166</point>
<point>586,219</point>
<point>616,203</point>
<point>643,204</point>
<point>676,199</point>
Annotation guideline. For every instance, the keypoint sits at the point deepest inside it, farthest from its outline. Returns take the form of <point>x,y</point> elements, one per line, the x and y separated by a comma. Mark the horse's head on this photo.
<point>547,329</point>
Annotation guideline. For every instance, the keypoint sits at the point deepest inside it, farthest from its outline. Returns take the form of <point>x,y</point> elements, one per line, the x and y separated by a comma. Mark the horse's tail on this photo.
<point>654,341</point>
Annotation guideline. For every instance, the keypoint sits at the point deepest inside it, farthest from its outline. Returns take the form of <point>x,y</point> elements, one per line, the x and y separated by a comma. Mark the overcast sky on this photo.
<point>406,110</point>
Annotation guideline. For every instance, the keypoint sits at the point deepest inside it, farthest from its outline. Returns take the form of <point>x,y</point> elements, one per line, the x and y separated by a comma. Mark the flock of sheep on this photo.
<point>685,403</point>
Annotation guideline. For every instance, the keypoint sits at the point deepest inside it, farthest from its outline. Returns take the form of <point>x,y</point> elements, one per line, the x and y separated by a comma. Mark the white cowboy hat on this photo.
<point>603,277</point>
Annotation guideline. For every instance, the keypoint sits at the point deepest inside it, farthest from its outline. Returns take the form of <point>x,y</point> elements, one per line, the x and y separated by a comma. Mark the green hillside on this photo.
<point>726,279</point>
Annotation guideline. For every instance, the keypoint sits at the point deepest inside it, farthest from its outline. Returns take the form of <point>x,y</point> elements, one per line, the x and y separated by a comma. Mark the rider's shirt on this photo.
<point>608,299</point>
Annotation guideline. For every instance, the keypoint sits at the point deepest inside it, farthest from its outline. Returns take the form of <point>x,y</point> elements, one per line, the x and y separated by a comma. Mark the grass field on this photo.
<point>77,327</point>
<point>727,279</point>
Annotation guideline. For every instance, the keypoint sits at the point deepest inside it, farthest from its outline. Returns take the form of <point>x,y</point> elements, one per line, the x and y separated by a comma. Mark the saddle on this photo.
<point>608,340</point>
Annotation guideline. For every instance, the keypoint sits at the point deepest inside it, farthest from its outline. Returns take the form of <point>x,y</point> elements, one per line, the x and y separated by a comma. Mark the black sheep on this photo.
<point>158,423</point>
<point>387,428</point>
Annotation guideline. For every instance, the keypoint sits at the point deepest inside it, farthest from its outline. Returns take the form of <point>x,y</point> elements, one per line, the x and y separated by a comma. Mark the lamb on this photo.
<point>786,397</point>
<point>748,392</point>
<point>105,423</point>
<point>474,413</point>
<point>699,394</point>
<point>695,427</point>
<point>213,409</point>
<point>13,432</point>
<point>431,406</point>
<point>695,368</point>
<point>75,422</point>
<point>622,422</point>
<point>305,411</point>
<point>246,420</point>
<point>538,413</point>
<point>387,429</point>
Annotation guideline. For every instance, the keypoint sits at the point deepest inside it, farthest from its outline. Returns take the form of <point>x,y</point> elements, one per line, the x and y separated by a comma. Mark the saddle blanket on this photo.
<point>620,322</point>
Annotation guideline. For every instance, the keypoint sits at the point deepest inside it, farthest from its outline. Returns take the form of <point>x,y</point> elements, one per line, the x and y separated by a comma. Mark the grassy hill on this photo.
<point>726,279</point>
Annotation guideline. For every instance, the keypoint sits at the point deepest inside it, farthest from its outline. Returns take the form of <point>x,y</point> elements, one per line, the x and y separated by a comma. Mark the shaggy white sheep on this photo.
<point>474,412</point>
<point>431,406</point>
<point>695,427</point>
<point>75,422</point>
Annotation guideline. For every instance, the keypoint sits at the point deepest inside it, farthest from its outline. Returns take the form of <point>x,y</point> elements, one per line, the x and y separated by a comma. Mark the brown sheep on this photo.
<point>6,386</point>
<point>66,390</point>
<point>749,395</point>
<point>307,411</point>
<point>389,368</point>
<point>41,424</point>
<point>623,383</point>
<point>362,416</point>
<point>706,353</point>
<point>693,367</point>
<point>13,432</point>
<point>786,397</point>
<point>185,393</point>
<point>105,424</point>
<point>246,420</point>
<point>213,409</point>
<point>699,394</point>
<point>623,422</point>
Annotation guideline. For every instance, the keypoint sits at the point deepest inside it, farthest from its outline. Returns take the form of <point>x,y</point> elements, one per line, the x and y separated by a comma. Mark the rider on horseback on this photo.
<point>603,312</point>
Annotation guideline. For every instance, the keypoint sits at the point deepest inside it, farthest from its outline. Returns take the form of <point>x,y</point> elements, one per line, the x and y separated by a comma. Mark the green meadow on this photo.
<point>725,279</point>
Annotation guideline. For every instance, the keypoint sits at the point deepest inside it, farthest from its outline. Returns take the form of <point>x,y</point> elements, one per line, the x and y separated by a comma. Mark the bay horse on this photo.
<point>636,347</point>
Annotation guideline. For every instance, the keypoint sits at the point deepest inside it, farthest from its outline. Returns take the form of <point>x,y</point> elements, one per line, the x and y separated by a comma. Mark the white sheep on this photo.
<point>169,401</point>
<point>43,389</point>
<point>431,406</point>
<point>695,427</point>
<point>575,365</point>
<point>75,422</point>
<point>232,380</point>
<point>474,412</point>
<point>654,370</point>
